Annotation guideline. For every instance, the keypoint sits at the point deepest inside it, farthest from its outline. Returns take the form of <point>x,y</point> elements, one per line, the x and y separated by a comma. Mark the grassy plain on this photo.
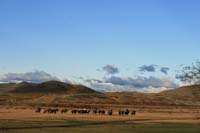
<point>25,120</point>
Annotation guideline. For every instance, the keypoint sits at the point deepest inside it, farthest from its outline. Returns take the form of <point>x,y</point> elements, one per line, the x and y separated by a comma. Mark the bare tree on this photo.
<point>191,74</point>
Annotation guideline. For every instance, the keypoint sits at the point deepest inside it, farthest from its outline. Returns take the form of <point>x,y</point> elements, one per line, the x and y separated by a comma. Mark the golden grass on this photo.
<point>151,115</point>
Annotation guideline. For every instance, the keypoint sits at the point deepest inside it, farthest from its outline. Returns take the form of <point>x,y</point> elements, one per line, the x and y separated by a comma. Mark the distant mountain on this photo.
<point>187,95</point>
<point>50,87</point>
<point>51,92</point>
<point>55,92</point>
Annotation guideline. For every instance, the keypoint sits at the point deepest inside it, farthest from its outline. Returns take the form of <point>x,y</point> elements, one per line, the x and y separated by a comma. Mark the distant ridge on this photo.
<point>186,92</point>
<point>56,92</point>
<point>50,87</point>
<point>186,95</point>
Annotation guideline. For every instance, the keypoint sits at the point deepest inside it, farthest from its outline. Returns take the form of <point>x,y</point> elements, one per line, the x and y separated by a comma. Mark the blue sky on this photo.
<point>73,38</point>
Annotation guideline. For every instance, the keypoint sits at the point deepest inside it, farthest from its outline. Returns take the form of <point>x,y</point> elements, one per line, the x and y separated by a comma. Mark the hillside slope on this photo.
<point>54,92</point>
<point>51,92</point>
<point>187,95</point>
<point>6,87</point>
<point>50,87</point>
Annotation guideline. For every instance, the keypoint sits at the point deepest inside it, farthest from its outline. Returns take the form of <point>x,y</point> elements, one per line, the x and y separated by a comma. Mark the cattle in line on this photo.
<point>51,111</point>
<point>64,111</point>
<point>73,111</point>
<point>85,111</point>
<point>101,112</point>
<point>124,112</point>
<point>133,112</point>
<point>95,111</point>
<point>54,111</point>
<point>110,112</point>
<point>121,112</point>
<point>82,111</point>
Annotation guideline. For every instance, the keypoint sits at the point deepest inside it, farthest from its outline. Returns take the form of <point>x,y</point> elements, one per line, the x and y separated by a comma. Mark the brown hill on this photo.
<point>187,95</point>
<point>50,87</point>
<point>6,87</point>
<point>54,92</point>
<point>51,92</point>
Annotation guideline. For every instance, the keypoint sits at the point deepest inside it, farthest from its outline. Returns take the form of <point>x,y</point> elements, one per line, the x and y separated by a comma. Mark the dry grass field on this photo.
<point>20,119</point>
<point>142,115</point>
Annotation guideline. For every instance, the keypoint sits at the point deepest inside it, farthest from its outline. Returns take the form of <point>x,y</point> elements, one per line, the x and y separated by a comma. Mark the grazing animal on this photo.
<point>120,112</point>
<point>74,111</point>
<point>133,112</point>
<point>95,111</point>
<point>64,111</point>
<point>53,111</point>
<point>83,111</point>
<point>124,112</point>
<point>110,112</point>
<point>102,112</point>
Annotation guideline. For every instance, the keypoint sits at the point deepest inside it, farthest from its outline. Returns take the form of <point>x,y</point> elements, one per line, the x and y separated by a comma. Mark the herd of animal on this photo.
<point>85,111</point>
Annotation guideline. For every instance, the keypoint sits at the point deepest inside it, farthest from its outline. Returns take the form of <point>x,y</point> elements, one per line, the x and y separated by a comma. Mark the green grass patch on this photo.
<point>62,126</point>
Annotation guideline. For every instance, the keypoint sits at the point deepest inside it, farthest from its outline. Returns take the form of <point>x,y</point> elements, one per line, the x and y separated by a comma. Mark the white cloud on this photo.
<point>35,77</point>
<point>140,84</point>
<point>164,70</point>
<point>110,69</point>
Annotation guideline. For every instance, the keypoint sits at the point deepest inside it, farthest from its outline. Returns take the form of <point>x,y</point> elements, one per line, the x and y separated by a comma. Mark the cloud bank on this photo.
<point>147,68</point>
<point>34,77</point>
<point>110,69</point>
<point>110,84</point>
<point>164,70</point>
<point>141,84</point>
<point>153,68</point>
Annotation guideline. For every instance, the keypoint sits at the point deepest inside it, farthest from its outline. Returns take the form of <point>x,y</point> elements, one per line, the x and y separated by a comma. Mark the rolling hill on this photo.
<point>50,87</point>
<point>187,95</point>
<point>7,87</point>
<point>51,92</point>
<point>55,92</point>
<point>45,87</point>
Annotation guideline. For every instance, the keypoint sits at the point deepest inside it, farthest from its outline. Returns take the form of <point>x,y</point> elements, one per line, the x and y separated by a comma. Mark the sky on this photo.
<point>108,45</point>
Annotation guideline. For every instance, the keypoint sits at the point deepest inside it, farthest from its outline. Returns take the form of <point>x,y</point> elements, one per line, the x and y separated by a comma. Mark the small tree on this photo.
<point>191,74</point>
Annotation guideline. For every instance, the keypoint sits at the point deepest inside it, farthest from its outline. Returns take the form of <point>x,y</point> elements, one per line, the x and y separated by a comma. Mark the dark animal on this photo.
<point>95,111</point>
<point>124,112</point>
<point>102,112</point>
<point>74,111</point>
<point>120,112</point>
<point>83,111</point>
<point>133,112</point>
<point>110,112</point>
<point>64,111</point>
<point>51,111</point>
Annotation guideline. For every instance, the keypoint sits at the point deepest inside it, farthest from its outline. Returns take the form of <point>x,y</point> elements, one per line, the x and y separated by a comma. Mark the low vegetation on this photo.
<point>90,127</point>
